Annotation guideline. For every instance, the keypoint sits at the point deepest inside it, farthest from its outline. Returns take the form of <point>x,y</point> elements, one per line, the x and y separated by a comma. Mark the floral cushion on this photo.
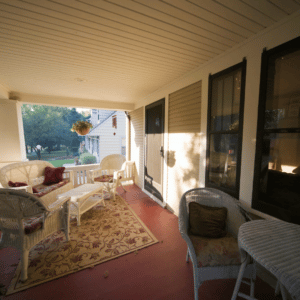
<point>105,178</point>
<point>41,189</point>
<point>212,252</point>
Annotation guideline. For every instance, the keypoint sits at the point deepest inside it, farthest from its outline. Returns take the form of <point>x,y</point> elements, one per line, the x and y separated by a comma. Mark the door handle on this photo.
<point>161,151</point>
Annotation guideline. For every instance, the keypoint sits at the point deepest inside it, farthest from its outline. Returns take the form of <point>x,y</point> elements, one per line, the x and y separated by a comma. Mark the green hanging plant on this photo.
<point>82,127</point>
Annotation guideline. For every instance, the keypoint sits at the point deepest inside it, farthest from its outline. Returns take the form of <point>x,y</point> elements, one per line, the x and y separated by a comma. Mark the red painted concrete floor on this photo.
<point>156,272</point>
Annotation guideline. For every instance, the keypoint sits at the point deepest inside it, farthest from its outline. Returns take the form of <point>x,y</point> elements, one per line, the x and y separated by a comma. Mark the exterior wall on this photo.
<point>184,156</point>
<point>110,143</point>
<point>137,130</point>
<point>12,144</point>
<point>275,35</point>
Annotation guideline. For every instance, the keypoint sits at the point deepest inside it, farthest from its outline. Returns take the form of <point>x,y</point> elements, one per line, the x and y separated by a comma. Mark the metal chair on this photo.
<point>236,216</point>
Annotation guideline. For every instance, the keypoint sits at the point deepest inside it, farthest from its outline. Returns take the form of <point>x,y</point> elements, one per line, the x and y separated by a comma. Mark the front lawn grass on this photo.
<point>60,163</point>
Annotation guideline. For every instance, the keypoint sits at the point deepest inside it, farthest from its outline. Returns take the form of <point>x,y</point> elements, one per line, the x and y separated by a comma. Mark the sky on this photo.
<point>80,110</point>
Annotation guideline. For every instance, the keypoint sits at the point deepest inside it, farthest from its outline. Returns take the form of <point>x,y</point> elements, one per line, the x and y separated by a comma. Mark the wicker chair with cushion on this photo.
<point>216,257</point>
<point>105,173</point>
<point>25,221</point>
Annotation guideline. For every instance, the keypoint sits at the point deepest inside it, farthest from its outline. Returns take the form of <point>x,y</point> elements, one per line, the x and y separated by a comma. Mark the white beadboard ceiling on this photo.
<point>120,50</point>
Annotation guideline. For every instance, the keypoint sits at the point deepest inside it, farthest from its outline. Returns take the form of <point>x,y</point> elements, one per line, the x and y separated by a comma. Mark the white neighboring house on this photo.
<point>108,135</point>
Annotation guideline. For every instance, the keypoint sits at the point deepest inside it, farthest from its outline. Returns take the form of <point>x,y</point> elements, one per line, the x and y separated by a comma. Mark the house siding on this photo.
<point>183,157</point>
<point>137,129</point>
<point>110,143</point>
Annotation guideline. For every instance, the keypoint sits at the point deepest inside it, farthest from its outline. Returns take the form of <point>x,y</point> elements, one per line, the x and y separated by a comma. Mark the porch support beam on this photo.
<point>12,135</point>
<point>74,102</point>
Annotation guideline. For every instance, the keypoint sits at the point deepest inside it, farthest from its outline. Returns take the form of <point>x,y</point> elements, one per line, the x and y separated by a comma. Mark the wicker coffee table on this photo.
<point>82,199</point>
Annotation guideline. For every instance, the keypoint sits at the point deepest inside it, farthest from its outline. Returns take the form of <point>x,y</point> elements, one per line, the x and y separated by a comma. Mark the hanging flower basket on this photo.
<point>82,127</point>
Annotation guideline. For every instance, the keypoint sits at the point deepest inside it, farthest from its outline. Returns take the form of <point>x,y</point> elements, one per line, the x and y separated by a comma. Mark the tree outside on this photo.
<point>50,127</point>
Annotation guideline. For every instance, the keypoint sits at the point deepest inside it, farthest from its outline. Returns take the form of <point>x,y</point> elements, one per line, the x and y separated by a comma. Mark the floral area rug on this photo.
<point>105,233</point>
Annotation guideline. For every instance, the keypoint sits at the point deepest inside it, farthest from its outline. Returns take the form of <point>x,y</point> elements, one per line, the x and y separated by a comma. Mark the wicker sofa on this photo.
<point>32,173</point>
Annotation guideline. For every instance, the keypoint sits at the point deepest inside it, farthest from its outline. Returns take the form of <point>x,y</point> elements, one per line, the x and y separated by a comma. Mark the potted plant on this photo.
<point>82,127</point>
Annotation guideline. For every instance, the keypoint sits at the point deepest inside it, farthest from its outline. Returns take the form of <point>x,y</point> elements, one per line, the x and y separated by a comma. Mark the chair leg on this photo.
<point>66,211</point>
<point>187,255</point>
<point>196,293</point>
<point>277,289</point>
<point>78,219</point>
<point>196,289</point>
<point>252,287</point>
<point>24,261</point>
<point>283,291</point>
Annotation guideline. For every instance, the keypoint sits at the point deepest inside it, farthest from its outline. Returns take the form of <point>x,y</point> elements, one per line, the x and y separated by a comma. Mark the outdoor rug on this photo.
<point>105,233</point>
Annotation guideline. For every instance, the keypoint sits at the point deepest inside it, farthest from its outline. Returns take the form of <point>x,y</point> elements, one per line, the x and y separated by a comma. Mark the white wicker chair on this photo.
<point>16,208</point>
<point>127,173</point>
<point>113,161</point>
<point>235,218</point>
<point>108,166</point>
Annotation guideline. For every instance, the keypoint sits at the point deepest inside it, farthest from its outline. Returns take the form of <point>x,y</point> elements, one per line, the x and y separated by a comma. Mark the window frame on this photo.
<point>242,65</point>
<point>257,204</point>
<point>114,120</point>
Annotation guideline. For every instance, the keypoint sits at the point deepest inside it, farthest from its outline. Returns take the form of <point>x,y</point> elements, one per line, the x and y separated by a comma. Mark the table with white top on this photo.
<point>82,199</point>
<point>275,245</point>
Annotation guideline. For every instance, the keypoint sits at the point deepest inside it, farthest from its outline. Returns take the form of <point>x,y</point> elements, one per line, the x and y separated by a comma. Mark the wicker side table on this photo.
<point>276,246</point>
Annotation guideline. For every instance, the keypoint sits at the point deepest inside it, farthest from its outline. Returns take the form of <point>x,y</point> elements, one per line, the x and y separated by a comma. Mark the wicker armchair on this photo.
<point>25,220</point>
<point>214,258</point>
<point>105,173</point>
<point>113,161</point>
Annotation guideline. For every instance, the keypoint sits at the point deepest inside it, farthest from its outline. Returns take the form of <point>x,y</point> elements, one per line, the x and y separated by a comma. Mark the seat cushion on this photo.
<point>104,178</point>
<point>207,221</point>
<point>42,189</point>
<point>212,252</point>
<point>53,175</point>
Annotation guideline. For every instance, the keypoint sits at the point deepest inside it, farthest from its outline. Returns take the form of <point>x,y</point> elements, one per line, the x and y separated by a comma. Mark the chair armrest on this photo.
<point>94,173</point>
<point>119,174</point>
<point>36,181</point>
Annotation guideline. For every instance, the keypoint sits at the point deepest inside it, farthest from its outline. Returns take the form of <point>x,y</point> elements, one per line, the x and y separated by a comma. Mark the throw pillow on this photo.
<point>207,221</point>
<point>53,175</point>
<point>17,184</point>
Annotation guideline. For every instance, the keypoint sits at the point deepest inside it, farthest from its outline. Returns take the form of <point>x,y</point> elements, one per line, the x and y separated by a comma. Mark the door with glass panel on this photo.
<point>224,128</point>
<point>154,139</point>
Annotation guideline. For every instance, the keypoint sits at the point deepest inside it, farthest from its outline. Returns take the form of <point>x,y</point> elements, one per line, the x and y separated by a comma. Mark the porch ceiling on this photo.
<point>120,50</point>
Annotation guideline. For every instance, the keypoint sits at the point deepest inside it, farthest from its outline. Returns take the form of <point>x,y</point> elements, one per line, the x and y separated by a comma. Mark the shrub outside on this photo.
<point>87,158</point>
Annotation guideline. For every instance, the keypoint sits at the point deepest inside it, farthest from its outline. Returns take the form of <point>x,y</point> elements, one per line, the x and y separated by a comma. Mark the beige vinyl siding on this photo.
<point>184,142</point>
<point>137,143</point>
